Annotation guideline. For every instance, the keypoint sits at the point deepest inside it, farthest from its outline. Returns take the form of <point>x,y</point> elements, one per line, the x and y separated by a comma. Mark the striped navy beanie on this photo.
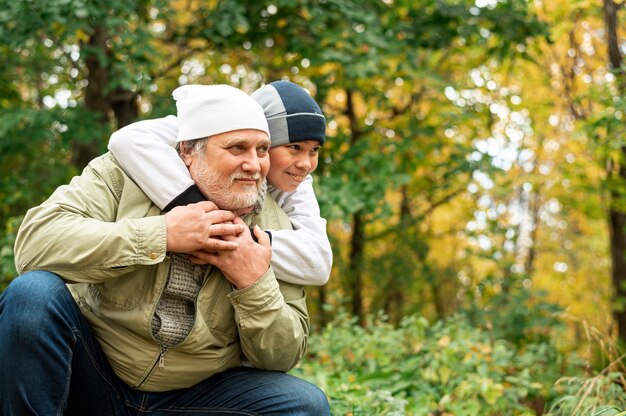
<point>291,113</point>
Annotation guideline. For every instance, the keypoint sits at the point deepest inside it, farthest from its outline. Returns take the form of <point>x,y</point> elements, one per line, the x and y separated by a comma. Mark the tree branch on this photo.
<point>417,218</point>
<point>176,63</point>
<point>399,110</point>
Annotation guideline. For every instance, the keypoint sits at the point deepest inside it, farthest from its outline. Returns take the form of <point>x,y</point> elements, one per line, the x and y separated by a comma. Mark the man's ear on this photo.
<point>186,150</point>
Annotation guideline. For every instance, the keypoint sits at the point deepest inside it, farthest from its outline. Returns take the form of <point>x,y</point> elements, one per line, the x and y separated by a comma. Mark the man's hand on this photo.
<point>201,226</point>
<point>245,265</point>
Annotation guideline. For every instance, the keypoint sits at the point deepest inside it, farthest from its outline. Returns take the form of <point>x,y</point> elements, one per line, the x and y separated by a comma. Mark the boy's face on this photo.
<point>290,163</point>
<point>231,168</point>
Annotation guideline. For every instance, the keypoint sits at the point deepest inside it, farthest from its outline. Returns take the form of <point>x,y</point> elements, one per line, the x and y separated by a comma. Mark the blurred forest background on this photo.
<point>474,177</point>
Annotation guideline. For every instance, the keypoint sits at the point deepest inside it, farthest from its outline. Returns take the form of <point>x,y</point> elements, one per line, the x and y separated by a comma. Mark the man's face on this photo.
<point>231,168</point>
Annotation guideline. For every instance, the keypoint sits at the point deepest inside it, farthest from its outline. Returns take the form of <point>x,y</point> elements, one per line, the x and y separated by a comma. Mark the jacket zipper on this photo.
<point>162,357</point>
<point>161,360</point>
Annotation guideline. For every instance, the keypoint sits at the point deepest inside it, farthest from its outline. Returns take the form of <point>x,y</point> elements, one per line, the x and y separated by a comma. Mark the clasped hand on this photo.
<point>210,235</point>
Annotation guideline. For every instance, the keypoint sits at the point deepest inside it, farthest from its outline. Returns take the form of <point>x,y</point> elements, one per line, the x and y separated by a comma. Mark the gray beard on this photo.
<point>258,205</point>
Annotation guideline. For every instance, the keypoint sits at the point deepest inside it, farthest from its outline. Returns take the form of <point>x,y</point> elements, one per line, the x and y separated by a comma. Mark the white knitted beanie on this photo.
<point>206,110</point>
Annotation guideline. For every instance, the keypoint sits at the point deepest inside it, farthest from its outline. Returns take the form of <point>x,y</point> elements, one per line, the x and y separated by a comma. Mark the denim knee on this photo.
<point>311,399</point>
<point>28,301</point>
<point>35,286</point>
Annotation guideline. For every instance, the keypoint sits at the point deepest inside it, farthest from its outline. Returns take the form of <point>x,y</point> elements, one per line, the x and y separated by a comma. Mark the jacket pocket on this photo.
<point>124,292</point>
<point>216,310</point>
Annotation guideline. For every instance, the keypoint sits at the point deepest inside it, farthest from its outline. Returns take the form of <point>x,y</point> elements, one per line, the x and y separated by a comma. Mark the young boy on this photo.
<point>297,129</point>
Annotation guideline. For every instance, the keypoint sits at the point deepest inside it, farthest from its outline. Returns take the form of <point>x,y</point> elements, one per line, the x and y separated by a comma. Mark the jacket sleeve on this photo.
<point>305,250</point>
<point>77,234</point>
<point>273,322</point>
<point>146,151</point>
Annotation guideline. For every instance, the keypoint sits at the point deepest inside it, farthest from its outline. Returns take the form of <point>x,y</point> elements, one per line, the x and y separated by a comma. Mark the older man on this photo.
<point>142,328</point>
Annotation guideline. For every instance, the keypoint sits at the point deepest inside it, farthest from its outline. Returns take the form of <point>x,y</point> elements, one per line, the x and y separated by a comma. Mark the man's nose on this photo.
<point>251,162</point>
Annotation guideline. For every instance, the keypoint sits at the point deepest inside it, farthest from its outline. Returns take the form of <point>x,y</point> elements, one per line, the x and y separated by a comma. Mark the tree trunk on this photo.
<point>529,264</point>
<point>95,99</point>
<point>618,257</point>
<point>125,107</point>
<point>120,104</point>
<point>355,268</point>
<point>393,297</point>
<point>354,278</point>
<point>617,216</point>
<point>321,311</point>
<point>394,305</point>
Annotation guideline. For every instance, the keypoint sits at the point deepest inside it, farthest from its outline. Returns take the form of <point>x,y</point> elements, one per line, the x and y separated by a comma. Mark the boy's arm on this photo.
<point>146,151</point>
<point>305,250</point>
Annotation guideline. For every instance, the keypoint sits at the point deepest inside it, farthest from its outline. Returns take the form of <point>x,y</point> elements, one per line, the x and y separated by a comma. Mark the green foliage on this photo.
<point>35,152</point>
<point>33,157</point>
<point>603,394</point>
<point>420,369</point>
<point>515,313</point>
<point>452,367</point>
<point>7,241</point>
<point>358,180</point>
<point>35,148</point>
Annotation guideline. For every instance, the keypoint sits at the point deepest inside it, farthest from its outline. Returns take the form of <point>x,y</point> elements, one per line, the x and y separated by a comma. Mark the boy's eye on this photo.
<point>295,147</point>
<point>315,150</point>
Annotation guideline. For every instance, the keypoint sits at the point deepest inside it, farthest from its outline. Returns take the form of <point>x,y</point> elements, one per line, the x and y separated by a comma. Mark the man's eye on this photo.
<point>237,147</point>
<point>263,149</point>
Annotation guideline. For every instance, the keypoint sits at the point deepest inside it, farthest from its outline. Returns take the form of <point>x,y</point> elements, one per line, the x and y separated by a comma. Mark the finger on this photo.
<point>262,236</point>
<point>238,220</point>
<point>217,244</point>
<point>203,257</point>
<point>220,215</point>
<point>225,229</point>
<point>206,206</point>
<point>245,231</point>
<point>196,260</point>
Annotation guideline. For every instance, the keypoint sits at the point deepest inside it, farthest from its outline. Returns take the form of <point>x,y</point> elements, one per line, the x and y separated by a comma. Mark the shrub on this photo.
<point>602,394</point>
<point>415,368</point>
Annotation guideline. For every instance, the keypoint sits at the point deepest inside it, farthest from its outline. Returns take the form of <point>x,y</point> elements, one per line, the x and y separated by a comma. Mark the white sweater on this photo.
<point>145,150</point>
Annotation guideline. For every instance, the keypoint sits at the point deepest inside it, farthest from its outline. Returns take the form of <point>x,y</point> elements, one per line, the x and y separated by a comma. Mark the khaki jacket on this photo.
<point>107,240</point>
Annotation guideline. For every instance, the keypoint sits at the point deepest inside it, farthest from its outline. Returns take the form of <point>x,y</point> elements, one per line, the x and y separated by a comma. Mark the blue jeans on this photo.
<point>52,364</point>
